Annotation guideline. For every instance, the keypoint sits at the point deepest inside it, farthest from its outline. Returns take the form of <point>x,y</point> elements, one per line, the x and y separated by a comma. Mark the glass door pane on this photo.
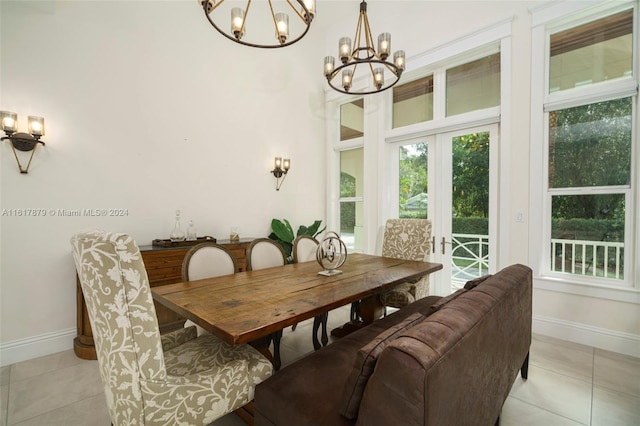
<point>413,179</point>
<point>469,207</point>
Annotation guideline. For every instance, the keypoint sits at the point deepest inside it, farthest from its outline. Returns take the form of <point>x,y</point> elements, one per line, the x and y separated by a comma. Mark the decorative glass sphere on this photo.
<point>331,254</point>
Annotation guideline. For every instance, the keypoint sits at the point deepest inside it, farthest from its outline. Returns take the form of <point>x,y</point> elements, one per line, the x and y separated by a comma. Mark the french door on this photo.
<point>451,178</point>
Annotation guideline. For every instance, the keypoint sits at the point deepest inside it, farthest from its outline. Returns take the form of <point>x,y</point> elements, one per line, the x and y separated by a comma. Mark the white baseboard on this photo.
<point>34,347</point>
<point>610,340</point>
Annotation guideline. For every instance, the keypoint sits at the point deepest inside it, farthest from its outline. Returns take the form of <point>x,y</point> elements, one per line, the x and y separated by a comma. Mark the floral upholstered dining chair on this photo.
<point>408,239</point>
<point>151,379</point>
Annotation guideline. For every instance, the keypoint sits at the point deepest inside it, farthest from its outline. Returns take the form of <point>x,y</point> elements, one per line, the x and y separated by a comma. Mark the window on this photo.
<point>589,182</point>
<point>351,200</point>
<point>591,53</point>
<point>474,85</point>
<point>413,102</point>
<point>351,120</point>
<point>589,152</point>
<point>351,173</point>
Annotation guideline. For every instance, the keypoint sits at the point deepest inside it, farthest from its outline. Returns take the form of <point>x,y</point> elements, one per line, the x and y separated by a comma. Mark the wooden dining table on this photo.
<point>249,306</point>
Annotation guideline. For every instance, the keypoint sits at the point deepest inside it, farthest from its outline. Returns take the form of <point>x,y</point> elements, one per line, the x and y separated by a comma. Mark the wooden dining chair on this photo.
<point>304,250</point>
<point>208,260</point>
<point>151,379</point>
<point>264,253</point>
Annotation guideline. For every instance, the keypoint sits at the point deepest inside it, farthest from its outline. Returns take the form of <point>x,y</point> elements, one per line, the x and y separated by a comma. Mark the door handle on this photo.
<point>442,244</point>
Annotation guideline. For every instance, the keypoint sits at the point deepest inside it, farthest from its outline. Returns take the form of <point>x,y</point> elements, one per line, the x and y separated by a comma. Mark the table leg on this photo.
<point>262,345</point>
<point>320,320</point>
<point>276,337</point>
<point>369,310</point>
<point>325,337</point>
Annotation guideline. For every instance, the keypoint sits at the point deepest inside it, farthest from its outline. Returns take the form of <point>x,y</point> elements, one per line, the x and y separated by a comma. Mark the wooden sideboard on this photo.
<point>164,266</point>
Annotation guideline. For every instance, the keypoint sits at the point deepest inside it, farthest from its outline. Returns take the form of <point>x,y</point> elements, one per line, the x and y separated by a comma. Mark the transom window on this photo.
<point>352,120</point>
<point>462,88</point>
<point>413,102</point>
<point>474,85</point>
<point>594,52</point>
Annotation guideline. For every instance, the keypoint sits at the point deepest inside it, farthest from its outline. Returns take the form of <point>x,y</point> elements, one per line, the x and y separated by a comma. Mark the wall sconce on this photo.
<point>22,141</point>
<point>281,167</point>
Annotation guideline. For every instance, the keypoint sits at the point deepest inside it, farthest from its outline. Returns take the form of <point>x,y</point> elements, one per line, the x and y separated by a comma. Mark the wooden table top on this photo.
<point>246,306</point>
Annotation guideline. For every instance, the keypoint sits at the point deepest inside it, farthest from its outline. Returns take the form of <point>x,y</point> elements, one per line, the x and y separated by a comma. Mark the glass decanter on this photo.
<point>177,234</point>
<point>192,233</point>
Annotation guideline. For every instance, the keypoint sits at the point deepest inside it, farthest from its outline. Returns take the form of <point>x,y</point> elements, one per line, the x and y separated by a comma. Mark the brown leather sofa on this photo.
<point>439,361</point>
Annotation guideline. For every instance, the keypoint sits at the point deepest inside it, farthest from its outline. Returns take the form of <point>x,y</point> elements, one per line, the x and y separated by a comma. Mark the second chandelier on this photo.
<point>364,55</point>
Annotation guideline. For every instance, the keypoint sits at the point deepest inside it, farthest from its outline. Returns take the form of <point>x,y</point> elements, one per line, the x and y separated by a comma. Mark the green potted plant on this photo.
<point>282,232</point>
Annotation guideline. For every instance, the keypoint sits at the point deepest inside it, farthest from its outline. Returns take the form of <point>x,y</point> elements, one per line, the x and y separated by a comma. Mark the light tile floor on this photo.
<point>569,384</point>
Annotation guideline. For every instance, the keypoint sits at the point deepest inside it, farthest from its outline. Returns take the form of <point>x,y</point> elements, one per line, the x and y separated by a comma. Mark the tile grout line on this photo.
<point>569,376</point>
<point>546,410</point>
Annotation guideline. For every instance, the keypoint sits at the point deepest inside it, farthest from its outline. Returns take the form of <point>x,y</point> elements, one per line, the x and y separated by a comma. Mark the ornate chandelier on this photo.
<point>364,54</point>
<point>274,30</point>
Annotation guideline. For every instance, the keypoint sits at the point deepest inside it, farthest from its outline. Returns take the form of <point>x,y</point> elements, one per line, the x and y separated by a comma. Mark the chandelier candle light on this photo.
<point>365,54</point>
<point>280,28</point>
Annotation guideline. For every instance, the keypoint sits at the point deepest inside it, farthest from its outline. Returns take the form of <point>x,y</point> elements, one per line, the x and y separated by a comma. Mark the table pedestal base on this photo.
<point>369,310</point>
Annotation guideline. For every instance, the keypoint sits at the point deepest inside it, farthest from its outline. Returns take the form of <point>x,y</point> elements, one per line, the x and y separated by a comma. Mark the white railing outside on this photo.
<point>469,256</point>
<point>591,258</point>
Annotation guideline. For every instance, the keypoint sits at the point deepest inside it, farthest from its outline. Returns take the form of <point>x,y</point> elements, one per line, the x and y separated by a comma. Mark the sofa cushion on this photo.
<point>443,301</point>
<point>475,282</point>
<point>365,362</point>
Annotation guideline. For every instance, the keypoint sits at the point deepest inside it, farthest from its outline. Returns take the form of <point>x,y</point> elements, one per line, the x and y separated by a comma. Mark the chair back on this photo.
<point>207,260</point>
<point>408,239</point>
<point>123,319</point>
<point>264,253</point>
<point>304,248</point>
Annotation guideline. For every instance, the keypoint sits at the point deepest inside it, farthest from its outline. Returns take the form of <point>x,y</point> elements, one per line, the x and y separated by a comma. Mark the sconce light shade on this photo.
<point>280,169</point>
<point>36,126</point>
<point>22,141</point>
<point>9,121</point>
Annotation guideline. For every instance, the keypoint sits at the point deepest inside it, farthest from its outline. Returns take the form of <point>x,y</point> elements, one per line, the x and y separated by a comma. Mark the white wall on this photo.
<point>148,109</point>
